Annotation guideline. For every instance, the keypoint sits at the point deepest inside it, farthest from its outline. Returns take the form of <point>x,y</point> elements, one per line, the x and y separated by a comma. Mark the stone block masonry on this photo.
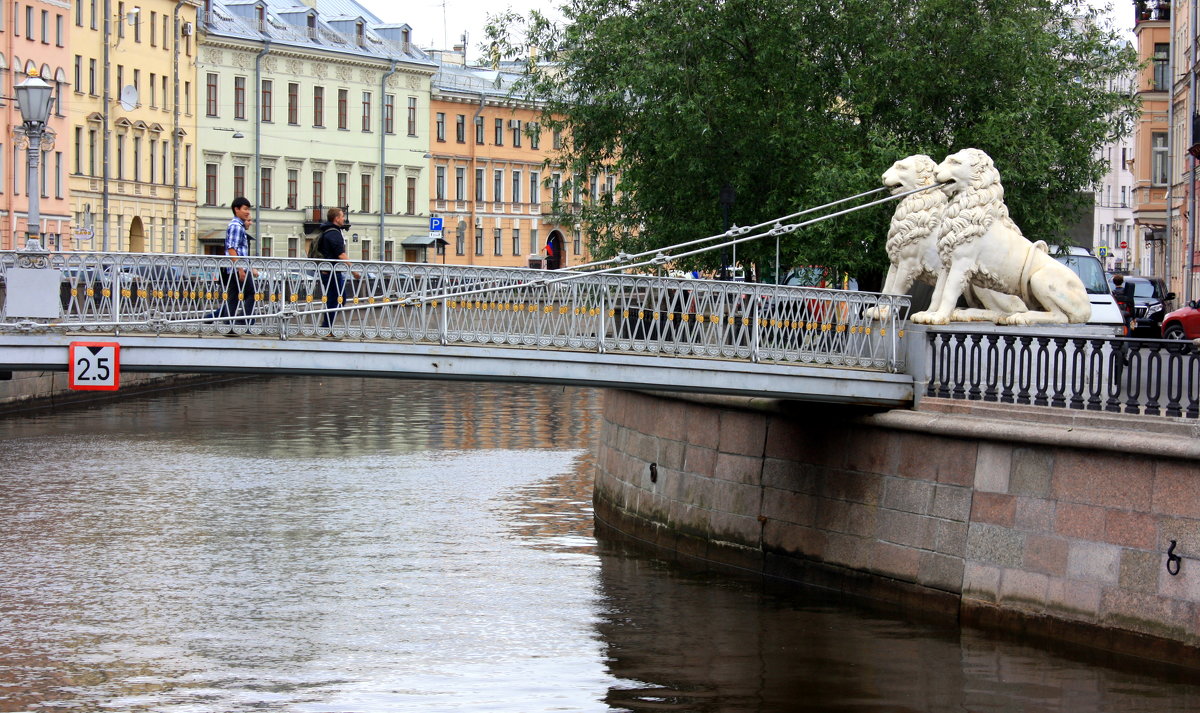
<point>1010,519</point>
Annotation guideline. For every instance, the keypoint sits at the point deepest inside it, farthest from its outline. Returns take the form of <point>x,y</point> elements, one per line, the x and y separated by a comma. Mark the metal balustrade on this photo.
<point>1151,377</point>
<point>170,295</point>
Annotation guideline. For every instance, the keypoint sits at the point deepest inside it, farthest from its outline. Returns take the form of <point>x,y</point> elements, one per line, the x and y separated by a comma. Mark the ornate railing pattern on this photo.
<point>415,303</point>
<point>1138,376</point>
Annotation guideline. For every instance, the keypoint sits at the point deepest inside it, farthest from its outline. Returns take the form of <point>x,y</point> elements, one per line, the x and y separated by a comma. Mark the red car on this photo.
<point>1183,323</point>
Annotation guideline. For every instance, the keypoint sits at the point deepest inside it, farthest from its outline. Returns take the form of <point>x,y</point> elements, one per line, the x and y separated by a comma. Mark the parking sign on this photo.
<point>435,224</point>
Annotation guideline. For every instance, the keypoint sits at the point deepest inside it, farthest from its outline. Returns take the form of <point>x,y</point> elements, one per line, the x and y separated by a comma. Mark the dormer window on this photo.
<point>312,26</point>
<point>358,33</point>
<point>404,40</point>
<point>262,18</point>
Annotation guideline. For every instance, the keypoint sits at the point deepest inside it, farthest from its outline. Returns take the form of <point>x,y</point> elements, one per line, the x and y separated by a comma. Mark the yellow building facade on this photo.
<point>133,123</point>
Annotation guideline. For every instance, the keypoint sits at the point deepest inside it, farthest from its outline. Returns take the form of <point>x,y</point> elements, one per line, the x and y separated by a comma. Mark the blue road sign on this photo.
<point>435,224</point>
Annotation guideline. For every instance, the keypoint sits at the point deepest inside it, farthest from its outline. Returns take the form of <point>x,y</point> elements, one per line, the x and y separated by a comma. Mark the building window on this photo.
<point>516,186</point>
<point>389,191</point>
<point>1159,167</point>
<point>440,183</point>
<point>460,183</point>
<point>153,29</point>
<point>516,241</point>
<point>343,180</point>
<point>318,190</point>
<point>78,149</point>
<point>558,144</point>
<point>92,152</point>
<point>137,158</point>
<point>497,242</point>
<point>58,176</point>
<point>58,30</point>
<point>412,116</point>
<point>535,193</point>
<point>343,109</point>
<point>478,130</point>
<point>293,187</point>
<point>239,181</point>
<point>460,242</point>
<point>211,100</point>
<point>366,111</point>
<point>137,26</point>
<point>78,74</point>
<point>535,135</point>
<point>460,129</point>
<point>153,156</point>
<point>210,184</point>
<point>268,94</point>
<point>1162,79</point>
<point>499,136</point>
<point>479,185</point>
<point>318,106</point>
<point>239,97</point>
<point>479,241</point>
<point>92,77</point>
<point>576,245</point>
<point>534,245</point>
<point>440,126</point>
<point>516,133</point>
<point>410,196</point>
<point>498,185</point>
<point>264,191</point>
<point>365,193</point>
<point>389,113</point>
<point>163,157</point>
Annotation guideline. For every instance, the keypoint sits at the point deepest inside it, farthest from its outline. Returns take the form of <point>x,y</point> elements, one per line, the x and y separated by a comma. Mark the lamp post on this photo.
<point>726,200</point>
<point>34,96</point>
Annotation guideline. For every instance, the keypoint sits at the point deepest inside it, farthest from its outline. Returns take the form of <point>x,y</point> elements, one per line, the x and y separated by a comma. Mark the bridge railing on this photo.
<point>424,303</point>
<point>1135,376</point>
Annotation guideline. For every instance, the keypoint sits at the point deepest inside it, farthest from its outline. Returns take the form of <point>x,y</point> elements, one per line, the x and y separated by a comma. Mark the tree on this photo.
<point>796,105</point>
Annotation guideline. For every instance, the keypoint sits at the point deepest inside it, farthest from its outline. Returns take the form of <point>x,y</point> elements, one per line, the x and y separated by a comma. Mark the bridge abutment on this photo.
<point>1050,522</point>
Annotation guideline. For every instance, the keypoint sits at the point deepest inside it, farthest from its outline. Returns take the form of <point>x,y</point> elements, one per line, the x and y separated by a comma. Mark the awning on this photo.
<point>422,241</point>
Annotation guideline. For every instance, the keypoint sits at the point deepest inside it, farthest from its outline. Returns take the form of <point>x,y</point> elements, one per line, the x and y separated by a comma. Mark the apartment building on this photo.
<point>494,180</point>
<point>34,40</point>
<point>308,105</point>
<point>133,124</point>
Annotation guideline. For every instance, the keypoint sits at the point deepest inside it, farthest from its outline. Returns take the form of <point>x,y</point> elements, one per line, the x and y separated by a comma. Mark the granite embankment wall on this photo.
<point>47,389</point>
<point>1050,522</point>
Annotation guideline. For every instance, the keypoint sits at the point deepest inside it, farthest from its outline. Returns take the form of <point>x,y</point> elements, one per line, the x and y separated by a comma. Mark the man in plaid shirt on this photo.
<point>239,282</point>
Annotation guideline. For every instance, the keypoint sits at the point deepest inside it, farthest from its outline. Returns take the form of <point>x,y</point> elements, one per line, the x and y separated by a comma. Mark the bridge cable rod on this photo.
<point>660,259</point>
<point>731,232</point>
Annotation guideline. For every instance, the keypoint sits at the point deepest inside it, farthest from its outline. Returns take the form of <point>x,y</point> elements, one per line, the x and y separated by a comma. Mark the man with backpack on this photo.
<point>331,245</point>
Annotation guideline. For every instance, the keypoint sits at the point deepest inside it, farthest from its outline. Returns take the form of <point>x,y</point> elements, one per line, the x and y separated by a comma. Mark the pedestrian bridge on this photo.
<point>455,322</point>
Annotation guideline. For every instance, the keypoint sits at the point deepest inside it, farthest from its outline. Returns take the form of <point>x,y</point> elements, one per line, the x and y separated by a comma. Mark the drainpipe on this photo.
<point>104,128</point>
<point>382,142</point>
<point>175,132</point>
<point>258,141</point>
<point>474,203</point>
<point>1191,244</point>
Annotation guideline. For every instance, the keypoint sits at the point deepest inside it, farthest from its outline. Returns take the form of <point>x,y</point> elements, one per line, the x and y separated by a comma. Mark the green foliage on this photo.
<point>795,105</point>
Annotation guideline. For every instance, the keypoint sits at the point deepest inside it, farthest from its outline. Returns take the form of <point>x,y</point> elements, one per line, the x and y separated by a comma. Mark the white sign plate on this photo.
<point>94,366</point>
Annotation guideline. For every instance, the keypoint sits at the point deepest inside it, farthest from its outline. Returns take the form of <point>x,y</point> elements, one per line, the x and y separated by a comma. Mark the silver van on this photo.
<point>1104,306</point>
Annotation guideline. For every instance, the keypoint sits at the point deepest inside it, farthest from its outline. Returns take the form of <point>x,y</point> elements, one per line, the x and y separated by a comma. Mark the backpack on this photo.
<point>313,248</point>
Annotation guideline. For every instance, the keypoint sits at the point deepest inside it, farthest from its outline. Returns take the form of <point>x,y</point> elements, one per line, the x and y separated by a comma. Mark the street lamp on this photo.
<point>34,96</point>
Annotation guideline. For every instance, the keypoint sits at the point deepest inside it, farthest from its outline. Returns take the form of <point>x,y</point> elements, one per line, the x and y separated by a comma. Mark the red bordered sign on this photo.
<point>94,366</point>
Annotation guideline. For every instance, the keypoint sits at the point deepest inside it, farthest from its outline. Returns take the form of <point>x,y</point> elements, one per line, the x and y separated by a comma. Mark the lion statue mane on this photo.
<point>981,247</point>
<point>912,239</point>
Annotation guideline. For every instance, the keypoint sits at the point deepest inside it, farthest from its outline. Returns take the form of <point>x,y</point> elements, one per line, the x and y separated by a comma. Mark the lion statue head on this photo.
<point>909,173</point>
<point>969,169</point>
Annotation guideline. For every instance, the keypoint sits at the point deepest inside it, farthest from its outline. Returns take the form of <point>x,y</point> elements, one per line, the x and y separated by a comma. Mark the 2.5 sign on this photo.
<point>94,366</point>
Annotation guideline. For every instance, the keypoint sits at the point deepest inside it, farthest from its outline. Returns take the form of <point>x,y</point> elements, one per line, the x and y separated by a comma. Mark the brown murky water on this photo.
<point>351,545</point>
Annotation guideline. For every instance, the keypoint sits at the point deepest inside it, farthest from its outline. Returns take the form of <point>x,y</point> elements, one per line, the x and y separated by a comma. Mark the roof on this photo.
<point>286,24</point>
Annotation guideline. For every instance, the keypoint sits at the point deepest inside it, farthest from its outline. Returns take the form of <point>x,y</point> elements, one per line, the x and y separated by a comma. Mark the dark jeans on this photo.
<point>334,284</point>
<point>239,295</point>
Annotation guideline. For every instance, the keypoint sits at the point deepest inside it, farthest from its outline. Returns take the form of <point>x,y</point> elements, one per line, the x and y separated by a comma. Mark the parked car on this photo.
<point>1104,307</point>
<point>1151,302</point>
<point>1183,323</point>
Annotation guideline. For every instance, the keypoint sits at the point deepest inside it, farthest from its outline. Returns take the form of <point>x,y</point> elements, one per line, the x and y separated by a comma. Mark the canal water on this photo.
<point>351,545</point>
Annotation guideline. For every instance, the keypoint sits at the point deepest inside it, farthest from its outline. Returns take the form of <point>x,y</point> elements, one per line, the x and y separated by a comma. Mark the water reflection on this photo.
<point>367,545</point>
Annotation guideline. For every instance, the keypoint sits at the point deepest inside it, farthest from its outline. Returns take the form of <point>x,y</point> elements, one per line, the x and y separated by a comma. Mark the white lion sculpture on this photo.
<point>980,245</point>
<point>912,240</point>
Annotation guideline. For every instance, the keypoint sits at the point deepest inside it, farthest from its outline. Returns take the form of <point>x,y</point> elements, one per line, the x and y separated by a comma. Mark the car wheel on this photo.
<point>1174,331</point>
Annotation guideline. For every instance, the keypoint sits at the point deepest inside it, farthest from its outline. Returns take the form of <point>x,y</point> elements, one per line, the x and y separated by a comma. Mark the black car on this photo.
<point>1151,302</point>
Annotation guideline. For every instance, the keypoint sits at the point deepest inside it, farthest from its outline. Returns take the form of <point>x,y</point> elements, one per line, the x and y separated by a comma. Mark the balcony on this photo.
<point>314,216</point>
